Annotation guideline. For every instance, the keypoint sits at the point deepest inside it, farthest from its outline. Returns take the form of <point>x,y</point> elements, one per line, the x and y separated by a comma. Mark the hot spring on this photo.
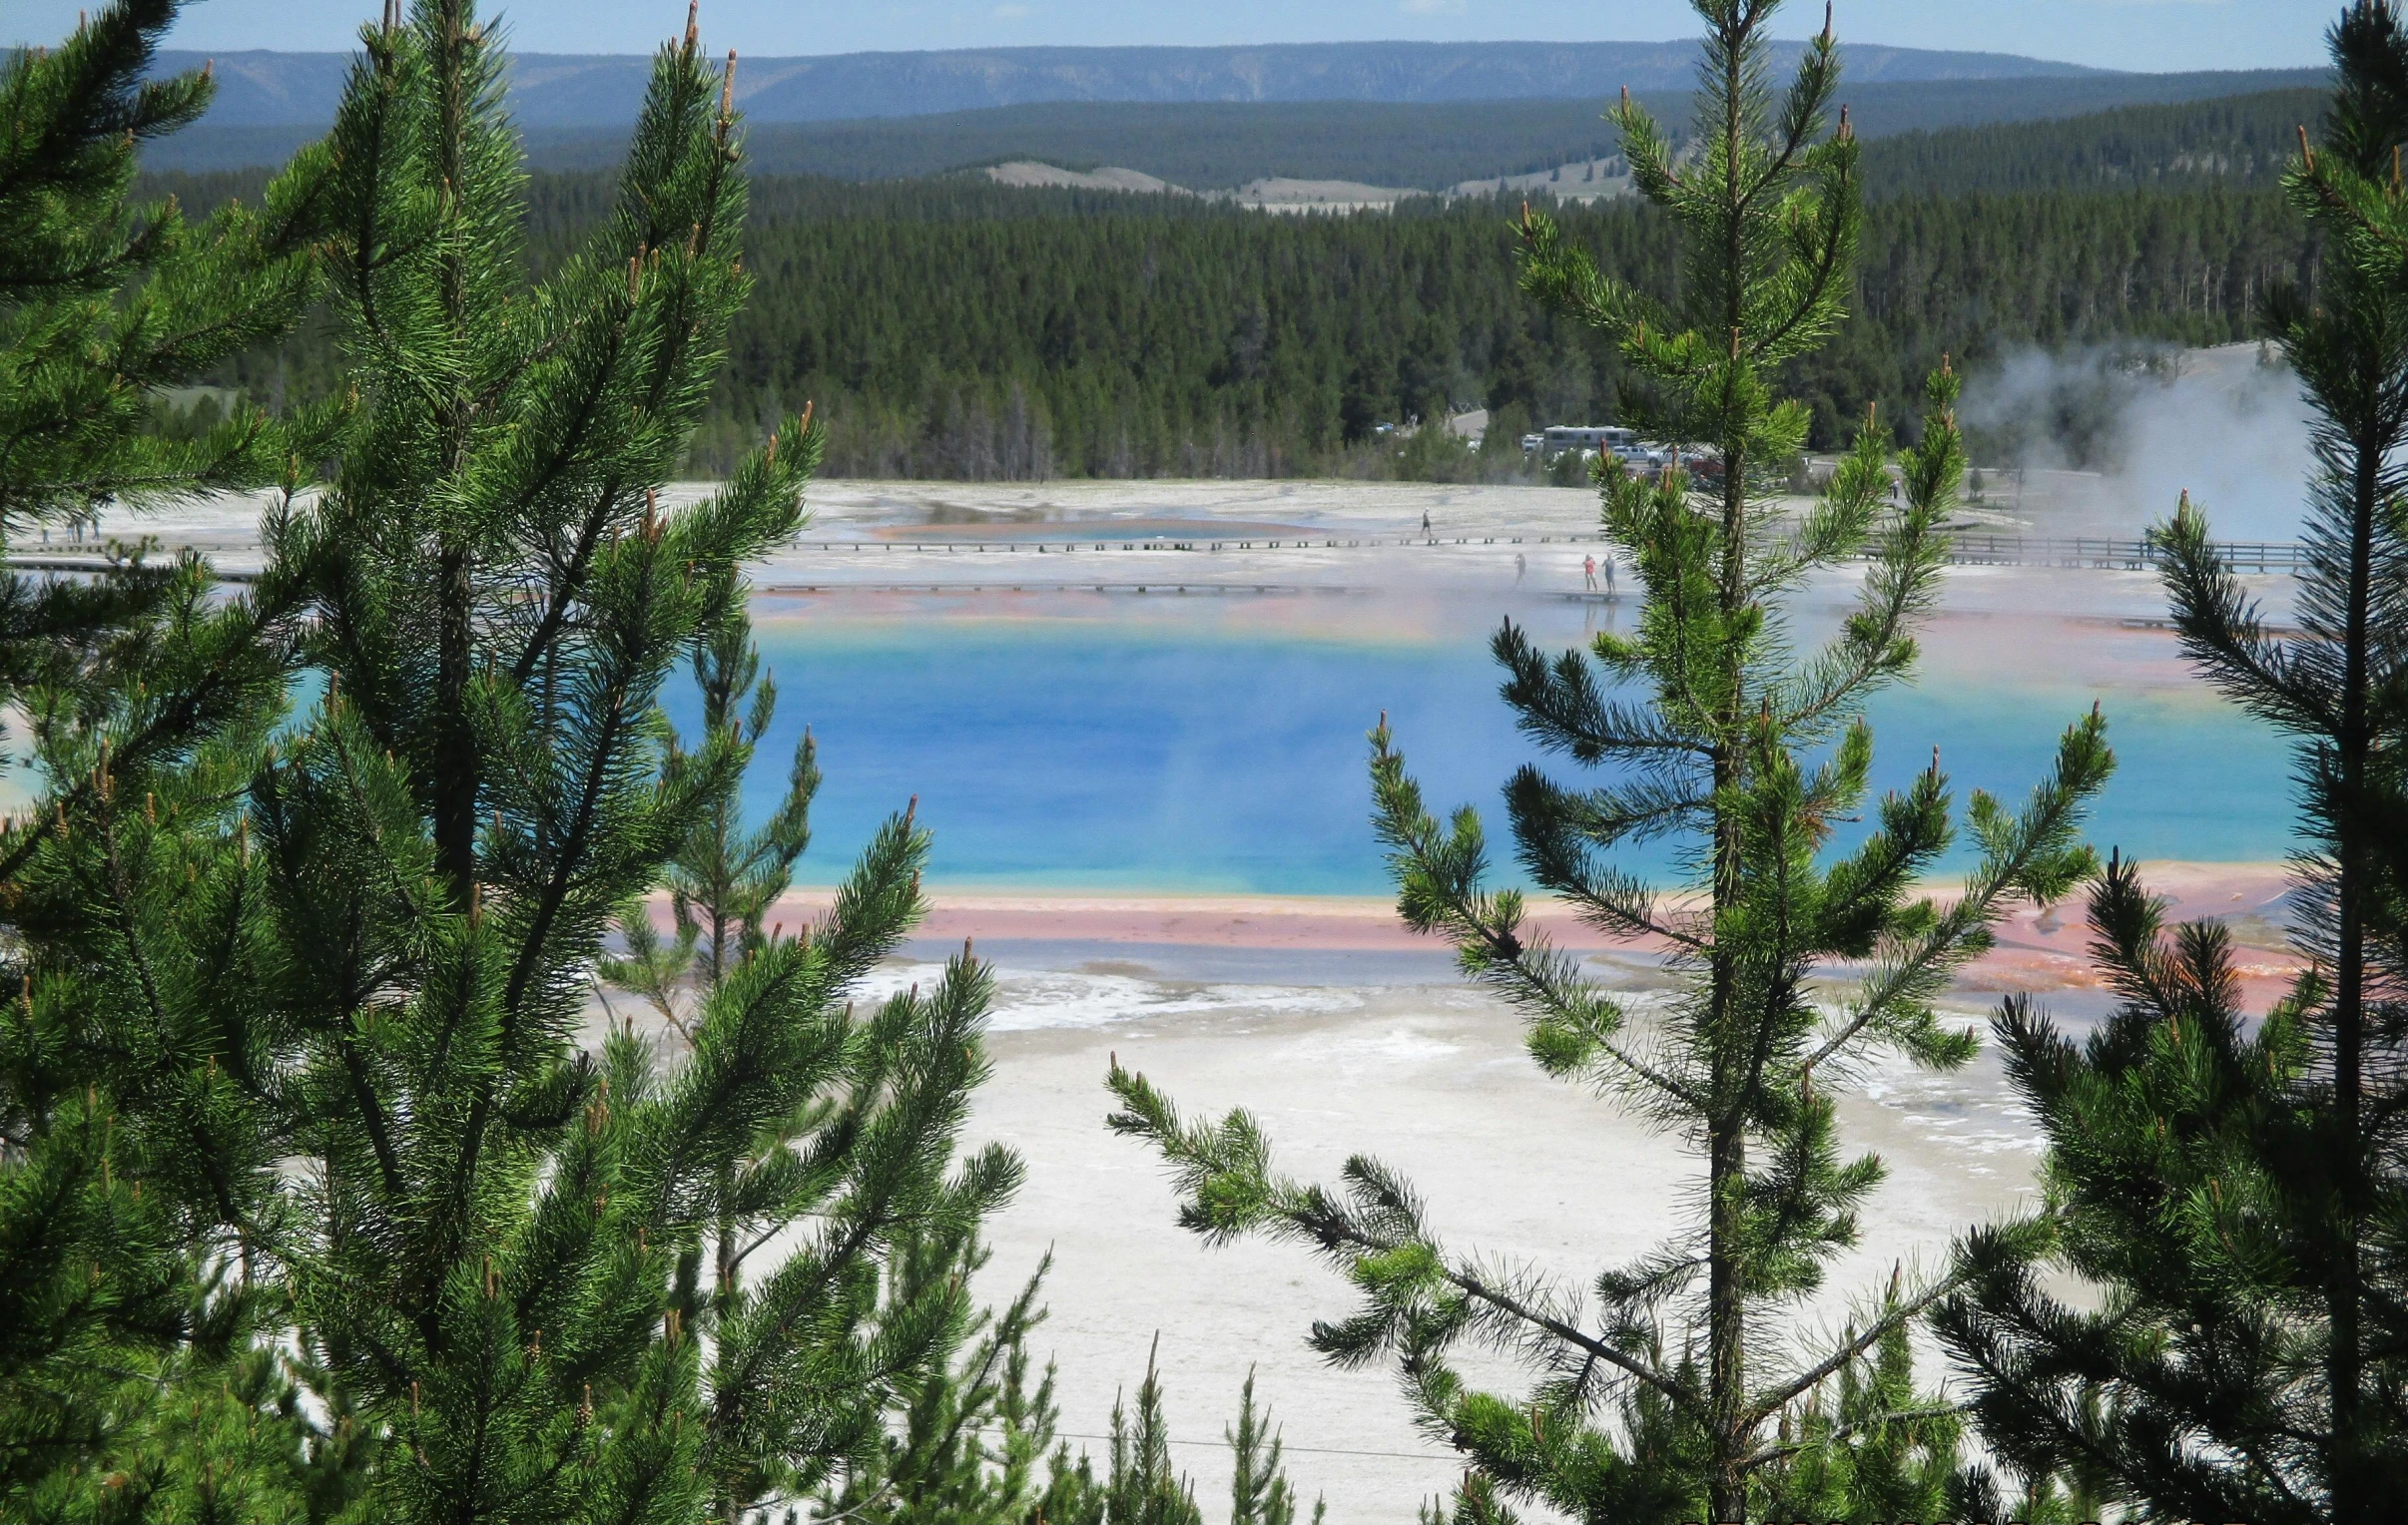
<point>1161,744</point>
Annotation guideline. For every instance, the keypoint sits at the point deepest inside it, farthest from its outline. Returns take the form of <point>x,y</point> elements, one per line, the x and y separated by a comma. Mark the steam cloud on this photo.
<point>2227,425</point>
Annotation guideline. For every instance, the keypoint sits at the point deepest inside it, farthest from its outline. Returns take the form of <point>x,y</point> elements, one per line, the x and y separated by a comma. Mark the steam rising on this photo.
<point>2141,427</point>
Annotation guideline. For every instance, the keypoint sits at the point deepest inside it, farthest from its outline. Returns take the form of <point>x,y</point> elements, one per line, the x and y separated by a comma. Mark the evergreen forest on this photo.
<point>959,328</point>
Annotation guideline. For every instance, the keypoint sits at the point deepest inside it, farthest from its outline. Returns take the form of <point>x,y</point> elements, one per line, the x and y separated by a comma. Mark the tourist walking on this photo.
<point>1521,567</point>
<point>1609,574</point>
<point>1588,573</point>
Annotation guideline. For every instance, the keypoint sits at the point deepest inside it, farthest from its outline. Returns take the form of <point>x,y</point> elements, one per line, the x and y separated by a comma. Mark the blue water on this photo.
<point>1139,754</point>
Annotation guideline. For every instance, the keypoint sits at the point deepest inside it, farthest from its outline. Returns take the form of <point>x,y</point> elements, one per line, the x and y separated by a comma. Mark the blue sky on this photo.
<point>2117,34</point>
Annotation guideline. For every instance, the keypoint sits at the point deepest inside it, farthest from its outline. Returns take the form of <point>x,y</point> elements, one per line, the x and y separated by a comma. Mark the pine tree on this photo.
<point>2238,1194</point>
<point>1140,1486</point>
<point>506,1257</point>
<point>1873,1447</point>
<point>968,1444</point>
<point>363,939</point>
<point>970,1439</point>
<point>103,304</point>
<point>1667,1398</point>
<point>1259,1490</point>
<point>2160,1196</point>
<point>114,1283</point>
<point>134,1209</point>
<point>724,880</point>
<point>1143,1487</point>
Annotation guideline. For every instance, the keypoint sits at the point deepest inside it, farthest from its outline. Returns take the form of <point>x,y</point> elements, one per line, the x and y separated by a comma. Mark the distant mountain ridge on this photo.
<point>555,90</point>
<point>1425,145</point>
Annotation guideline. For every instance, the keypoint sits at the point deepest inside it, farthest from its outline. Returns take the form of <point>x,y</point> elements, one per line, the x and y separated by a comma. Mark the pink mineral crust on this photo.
<point>2035,950</point>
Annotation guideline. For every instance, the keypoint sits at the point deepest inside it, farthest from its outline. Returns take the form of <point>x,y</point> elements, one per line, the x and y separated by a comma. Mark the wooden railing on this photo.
<point>2121,555</point>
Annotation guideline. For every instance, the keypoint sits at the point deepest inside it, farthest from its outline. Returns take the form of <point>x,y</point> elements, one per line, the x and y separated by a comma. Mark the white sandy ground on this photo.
<point>1429,1078</point>
<point>1345,1034</point>
<point>1250,537</point>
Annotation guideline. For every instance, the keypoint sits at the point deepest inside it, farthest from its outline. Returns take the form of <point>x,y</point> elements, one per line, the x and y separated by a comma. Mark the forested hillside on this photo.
<point>2235,139</point>
<point>1247,345</point>
<point>1428,144</point>
<point>1436,145</point>
<point>957,328</point>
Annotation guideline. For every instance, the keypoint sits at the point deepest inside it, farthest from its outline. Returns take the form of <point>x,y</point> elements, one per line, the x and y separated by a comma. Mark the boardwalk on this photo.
<point>1964,549</point>
<point>852,559</point>
<point>2116,555</point>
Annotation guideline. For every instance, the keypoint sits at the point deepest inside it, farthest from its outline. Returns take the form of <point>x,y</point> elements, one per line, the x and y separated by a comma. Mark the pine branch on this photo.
<point>1224,1172</point>
<point>2034,854</point>
<point>1559,708</point>
<point>1439,891</point>
<point>1900,1315</point>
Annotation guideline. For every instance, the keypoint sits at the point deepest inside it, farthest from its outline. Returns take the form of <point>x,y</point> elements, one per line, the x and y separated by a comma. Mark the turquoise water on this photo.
<point>1145,754</point>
